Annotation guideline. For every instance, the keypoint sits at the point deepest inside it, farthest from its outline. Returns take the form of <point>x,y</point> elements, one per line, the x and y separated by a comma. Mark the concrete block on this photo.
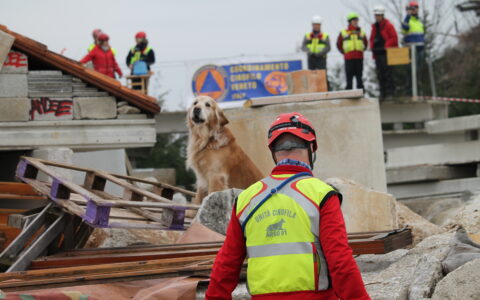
<point>6,42</point>
<point>365,209</point>
<point>418,137</point>
<point>13,85</point>
<point>429,189</point>
<point>94,108</point>
<point>171,122</point>
<point>393,112</point>
<point>348,132</point>
<point>49,109</point>
<point>14,109</point>
<point>15,63</point>
<point>439,154</point>
<point>59,155</point>
<point>453,124</point>
<point>427,173</point>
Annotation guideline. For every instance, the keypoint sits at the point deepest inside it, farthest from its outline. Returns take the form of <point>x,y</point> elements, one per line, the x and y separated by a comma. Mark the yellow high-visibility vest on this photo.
<point>352,41</point>
<point>316,45</point>
<point>282,235</point>
<point>138,54</point>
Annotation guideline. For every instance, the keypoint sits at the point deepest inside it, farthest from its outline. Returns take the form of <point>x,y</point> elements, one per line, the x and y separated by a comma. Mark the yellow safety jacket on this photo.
<point>138,54</point>
<point>316,45</point>
<point>415,32</point>
<point>352,41</point>
<point>90,48</point>
<point>282,236</point>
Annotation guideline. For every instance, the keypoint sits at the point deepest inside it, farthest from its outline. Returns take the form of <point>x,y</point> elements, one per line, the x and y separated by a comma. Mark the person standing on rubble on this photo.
<point>352,42</point>
<point>316,44</point>
<point>383,36</point>
<point>103,58</point>
<point>140,57</point>
<point>290,227</point>
<point>95,34</point>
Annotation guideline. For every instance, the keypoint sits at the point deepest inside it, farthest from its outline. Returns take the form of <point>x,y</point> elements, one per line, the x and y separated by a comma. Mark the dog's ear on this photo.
<point>222,120</point>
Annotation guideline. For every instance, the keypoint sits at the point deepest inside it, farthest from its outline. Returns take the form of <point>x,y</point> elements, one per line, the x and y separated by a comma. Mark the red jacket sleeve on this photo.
<point>228,263</point>
<point>391,39</point>
<point>88,57</point>
<point>345,276</point>
<point>340,43</point>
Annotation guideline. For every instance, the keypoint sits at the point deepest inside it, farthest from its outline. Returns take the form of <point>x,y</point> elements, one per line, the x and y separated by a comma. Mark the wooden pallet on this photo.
<point>137,208</point>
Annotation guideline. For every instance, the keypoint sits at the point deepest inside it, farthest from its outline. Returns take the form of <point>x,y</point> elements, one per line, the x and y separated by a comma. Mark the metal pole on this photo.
<point>433,85</point>
<point>414,70</point>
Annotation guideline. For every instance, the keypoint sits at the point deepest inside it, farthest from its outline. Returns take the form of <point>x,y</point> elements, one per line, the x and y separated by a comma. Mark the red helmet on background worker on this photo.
<point>293,123</point>
<point>96,32</point>
<point>103,37</point>
<point>141,35</point>
<point>413,4</point>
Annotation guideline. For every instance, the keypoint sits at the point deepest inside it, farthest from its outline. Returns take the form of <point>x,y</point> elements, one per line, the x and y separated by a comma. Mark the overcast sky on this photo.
<point>179,30</point>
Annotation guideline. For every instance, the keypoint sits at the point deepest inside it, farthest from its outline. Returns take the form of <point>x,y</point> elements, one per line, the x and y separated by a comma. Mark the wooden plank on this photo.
<point>17,188</point>
<point>350,94</point>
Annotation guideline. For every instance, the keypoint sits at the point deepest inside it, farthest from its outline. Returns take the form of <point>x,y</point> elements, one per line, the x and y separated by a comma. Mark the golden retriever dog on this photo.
<point>217,160</point>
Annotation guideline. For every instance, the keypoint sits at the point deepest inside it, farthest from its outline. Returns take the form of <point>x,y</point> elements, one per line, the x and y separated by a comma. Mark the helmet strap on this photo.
<point>312,157</point>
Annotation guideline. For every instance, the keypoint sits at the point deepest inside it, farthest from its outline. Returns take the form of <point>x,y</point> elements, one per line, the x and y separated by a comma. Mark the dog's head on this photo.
<point>204,111</point>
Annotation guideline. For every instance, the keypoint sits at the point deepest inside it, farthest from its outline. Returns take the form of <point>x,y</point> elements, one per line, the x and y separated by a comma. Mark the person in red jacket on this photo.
<point>383,36</point>
<point>291,230</point>
<point>352,42</point>
<point>103,58</point>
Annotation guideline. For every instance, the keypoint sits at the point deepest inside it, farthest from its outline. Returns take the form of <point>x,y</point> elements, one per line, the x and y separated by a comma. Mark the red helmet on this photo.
<point>96,32</point>
<point>293,123</point>
<point>413,4</point>
<point>141,35</point>
<point>103,37</point>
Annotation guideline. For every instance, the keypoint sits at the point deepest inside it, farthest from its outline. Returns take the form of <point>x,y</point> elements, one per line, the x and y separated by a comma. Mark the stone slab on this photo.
<point>13,85</point>
<point>15,63</point>
<point>6,42</point>
<point>132,116</point>
<point>442,187</point>
<point>95,108</point>
<point>45,73</point>
<point>14,109</point>
<point>426,173</point>
<point>453,124</point>
<point>51,109</point>
<point>78,134</point>
<point>418,137</point>
<point>349,134</point>
<point>437,154</point>
<point>364,209</point>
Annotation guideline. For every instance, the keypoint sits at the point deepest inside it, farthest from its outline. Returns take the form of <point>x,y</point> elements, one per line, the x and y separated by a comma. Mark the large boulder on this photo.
<point>216,210</point>
<point>365,209</point>
<point>421,228</point>
<point>462,250</point>
<point>376,263</point>
<point>468,217</point>
<point>413,275</point>
<point>463,283</point>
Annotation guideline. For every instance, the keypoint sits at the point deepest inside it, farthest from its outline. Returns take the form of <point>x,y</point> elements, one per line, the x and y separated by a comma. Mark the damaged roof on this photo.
<point>40,52</point>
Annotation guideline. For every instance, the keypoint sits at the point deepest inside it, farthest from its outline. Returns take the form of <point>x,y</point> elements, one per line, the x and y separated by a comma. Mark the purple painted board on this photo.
<point>97,215</point>
<point>178,218</point>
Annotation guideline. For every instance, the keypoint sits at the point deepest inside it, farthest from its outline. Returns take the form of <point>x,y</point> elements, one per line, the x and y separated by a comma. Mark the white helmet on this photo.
<point>316,20</point>
<point>378,10</point>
